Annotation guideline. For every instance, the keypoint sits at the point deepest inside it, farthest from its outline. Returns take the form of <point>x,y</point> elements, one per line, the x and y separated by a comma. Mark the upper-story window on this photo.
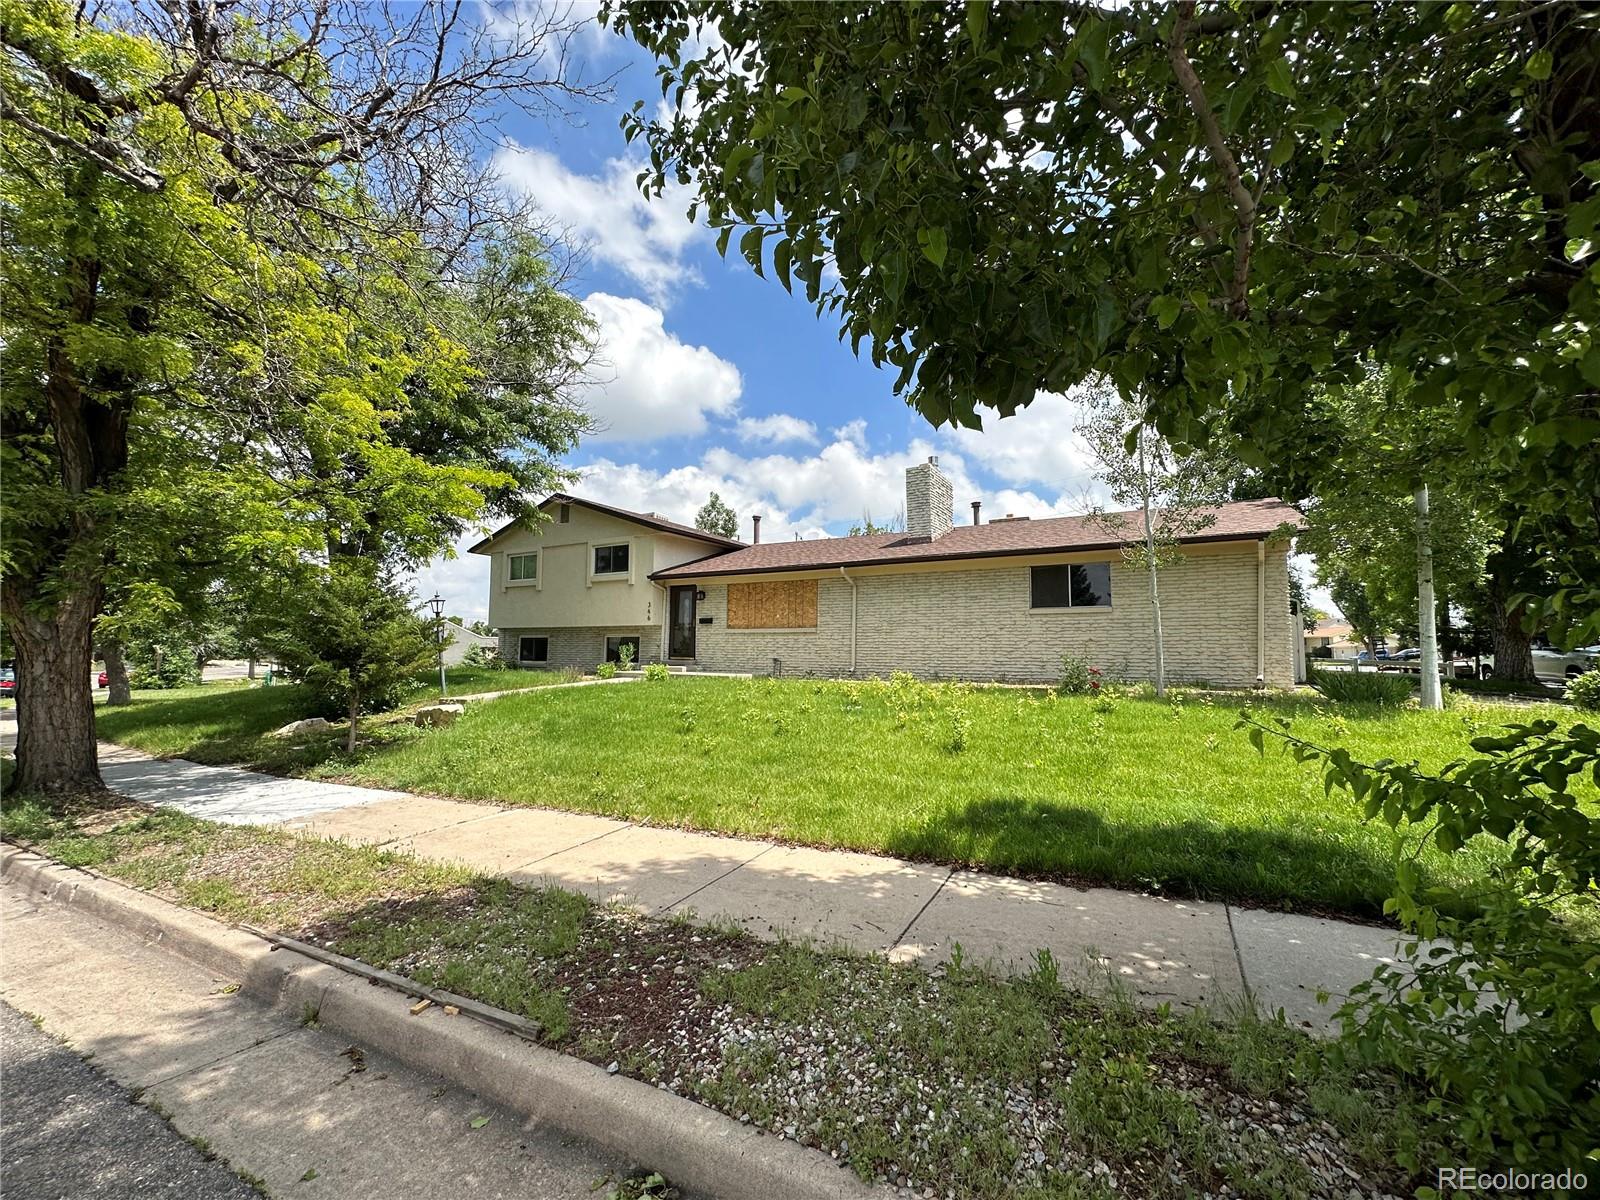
<point>524,568</point>
<point>565,513</point>
<point>611,560</point>
<point>1080,585</point>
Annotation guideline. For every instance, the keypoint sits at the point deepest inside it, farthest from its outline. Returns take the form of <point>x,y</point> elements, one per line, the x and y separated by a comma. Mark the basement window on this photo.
<point>614,648</point>
<point>533,649</point>
<point>1078,585</point>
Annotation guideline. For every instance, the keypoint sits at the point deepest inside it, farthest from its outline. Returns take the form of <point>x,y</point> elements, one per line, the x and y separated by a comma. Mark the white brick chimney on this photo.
<point>929,500</point>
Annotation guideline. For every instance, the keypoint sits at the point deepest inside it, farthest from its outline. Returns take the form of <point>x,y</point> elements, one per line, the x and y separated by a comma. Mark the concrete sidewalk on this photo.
<point>1187,952</point>
<point>306,1112</point>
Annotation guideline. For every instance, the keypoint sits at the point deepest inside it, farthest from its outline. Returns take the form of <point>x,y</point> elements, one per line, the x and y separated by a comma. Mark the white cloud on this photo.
<point>646,383</point>
<point>463,581</point>
<point>647,240</point>
<point>854,432</point>
<point>776,430</point>
<point>838,484</point>
<point>1037,445</point>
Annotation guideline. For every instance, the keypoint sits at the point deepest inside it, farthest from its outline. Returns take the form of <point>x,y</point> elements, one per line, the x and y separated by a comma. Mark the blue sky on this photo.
<point>711,379</point>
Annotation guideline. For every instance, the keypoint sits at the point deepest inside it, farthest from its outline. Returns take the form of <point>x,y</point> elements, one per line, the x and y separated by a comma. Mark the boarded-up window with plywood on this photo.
<point>786,604</point>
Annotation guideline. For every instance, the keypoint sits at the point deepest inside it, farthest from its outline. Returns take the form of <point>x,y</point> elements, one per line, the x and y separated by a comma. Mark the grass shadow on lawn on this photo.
<point>1191,859</point>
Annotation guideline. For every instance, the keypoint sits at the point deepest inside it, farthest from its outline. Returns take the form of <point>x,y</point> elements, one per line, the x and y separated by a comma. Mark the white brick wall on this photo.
<point>582,649</point>
<point>928,501</point>
<point>976,624</point>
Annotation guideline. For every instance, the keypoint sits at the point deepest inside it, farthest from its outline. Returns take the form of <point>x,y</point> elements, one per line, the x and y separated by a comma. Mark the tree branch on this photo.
<point>1244,204</point>
<point>103,152</point>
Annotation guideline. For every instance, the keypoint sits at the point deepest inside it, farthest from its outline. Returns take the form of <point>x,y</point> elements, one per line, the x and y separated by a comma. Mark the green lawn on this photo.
<point>1132,792</point>
<point>227,721</point>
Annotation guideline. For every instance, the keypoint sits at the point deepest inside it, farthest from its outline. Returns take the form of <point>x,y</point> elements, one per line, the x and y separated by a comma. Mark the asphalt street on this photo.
<point>69,1133</point>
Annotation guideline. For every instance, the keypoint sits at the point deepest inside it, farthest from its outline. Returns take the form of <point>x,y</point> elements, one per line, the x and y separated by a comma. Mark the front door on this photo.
<point>680,639</point>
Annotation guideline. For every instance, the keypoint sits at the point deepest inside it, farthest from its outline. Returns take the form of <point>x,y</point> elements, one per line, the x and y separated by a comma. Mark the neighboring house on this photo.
<point>1340,640</point>
<point>1334,637</point>
<point>996,601</point>
<point>459,641</point>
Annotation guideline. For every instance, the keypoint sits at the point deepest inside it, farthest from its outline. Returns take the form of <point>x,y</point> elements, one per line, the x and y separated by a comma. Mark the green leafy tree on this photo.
<point>1216,206</point>
<point>352,637</point>
<point>248,309</point>
<point>1362,520</point>
<point>716,517</point>
<point>1174,496</point>
<point>1501,1013</point>
<point>1364,616</point>
<point>866,526</point>
<point>1300,597</point>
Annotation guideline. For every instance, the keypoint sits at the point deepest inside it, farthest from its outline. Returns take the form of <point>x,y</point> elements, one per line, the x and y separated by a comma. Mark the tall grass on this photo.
<point>1364,687</point>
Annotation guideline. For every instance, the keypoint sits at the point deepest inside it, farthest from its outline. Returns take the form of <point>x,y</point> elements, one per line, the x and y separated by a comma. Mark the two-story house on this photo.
<point>572,589</point>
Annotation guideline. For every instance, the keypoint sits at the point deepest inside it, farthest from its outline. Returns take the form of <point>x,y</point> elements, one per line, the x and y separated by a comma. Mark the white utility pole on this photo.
<point>1426,633</point>
<point>1146,488</point>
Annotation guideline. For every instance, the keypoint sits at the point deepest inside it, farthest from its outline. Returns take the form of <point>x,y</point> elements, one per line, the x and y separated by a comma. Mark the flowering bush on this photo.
<point>1078,678</point>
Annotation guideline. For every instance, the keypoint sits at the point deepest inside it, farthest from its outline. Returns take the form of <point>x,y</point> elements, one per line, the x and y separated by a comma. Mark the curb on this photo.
<point>699,1149</point>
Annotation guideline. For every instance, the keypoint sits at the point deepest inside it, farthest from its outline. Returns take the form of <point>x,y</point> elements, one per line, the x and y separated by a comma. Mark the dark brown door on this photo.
<point>680,638</point>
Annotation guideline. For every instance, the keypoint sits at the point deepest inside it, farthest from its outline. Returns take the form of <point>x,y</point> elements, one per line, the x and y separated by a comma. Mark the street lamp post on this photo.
<point>437,604</point>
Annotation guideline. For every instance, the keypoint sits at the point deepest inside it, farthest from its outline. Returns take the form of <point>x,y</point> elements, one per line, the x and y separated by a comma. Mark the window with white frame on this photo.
<point>523,568</point>
<point>611,560</point>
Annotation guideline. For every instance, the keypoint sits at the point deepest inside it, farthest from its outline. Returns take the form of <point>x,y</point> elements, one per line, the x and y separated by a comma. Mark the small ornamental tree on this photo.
<point>716,517</point>
<point>1174,494</point>
<point>351,636</point>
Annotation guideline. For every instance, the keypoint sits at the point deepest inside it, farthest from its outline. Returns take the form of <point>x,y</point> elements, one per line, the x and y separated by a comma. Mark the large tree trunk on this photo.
<point>118,691</point>
<point>56,750</point>
<point>51,607</point>
<point>1511,647</point>
<point>1510,642</point>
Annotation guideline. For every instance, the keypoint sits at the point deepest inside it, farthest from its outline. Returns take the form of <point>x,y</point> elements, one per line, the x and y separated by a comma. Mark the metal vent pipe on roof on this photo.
<point>755,535</point>
<point>976,504</point>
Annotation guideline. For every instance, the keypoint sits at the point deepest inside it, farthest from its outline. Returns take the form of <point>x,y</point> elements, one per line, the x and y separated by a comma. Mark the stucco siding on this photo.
<point>566,594</point>
<point>581,649</point>
<point>976,624</point>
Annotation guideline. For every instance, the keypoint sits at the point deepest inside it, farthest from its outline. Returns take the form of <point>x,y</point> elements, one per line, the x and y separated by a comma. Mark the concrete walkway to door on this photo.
<point>1162,949</point>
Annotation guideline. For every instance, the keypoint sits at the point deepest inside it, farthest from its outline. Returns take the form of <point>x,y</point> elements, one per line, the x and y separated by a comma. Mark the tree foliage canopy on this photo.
<point>1214,205</point>
<point>259,306</point>
<point>716,517</point>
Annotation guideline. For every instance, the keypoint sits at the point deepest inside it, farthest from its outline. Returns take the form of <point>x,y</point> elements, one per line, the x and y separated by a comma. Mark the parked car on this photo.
<point>1366,656</point>
<point>8,683</point>
<point>1410,654</point>
<point>1557,666</point>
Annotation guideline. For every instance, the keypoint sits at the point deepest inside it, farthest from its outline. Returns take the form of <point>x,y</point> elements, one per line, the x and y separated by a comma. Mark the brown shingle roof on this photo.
<point>1242,520</point>
<point>652,520</point>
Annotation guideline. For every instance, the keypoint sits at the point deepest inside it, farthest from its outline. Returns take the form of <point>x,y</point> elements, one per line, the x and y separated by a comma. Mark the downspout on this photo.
<point>1261,612</point>
<point>854,596</point>
<point>666,615</point>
